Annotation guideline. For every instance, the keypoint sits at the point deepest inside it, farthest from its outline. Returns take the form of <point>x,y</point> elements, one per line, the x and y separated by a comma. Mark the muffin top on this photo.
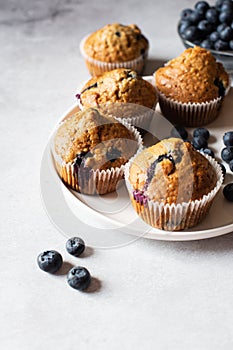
<point>194,76</point>
<point>116,43</point>
<point>171,171</point>
<point>93,140</point>
<point>119,85</point>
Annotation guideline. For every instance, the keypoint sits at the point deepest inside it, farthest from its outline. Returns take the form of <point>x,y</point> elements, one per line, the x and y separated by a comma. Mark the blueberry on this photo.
<point>231,165</point>
<point>212,15</point>
<point>201,132</point>
<point>118,34</point>
<point>191,33</point>
<point>228,192</point>
<point>182,26</point>
<point>79,278</point>
<point>207,44</point>
<point>226,2</point>
<point>227,154</point>
<point>204,26</point>
<point>221,88</point>
<point>196,17</point>
<point>75,246</point>
<point>199,142</point>
<point>95,85</point>
<point>207,151</point>
<point>221,45</point>
<point>227,6</point>
<point>113,154</point>
<point>226,34</point>
<point>218,4</point>
<point>185,14</point>
<point>228,138</point>
<point>220,27</point>
<point>180,132</point>
<point>201,6</point>
<point>223,169</point>
<point>214,36</point>
<point>226,17</point>
<point>79,158</point>
<point>50,261</point>
<point>231,45</point>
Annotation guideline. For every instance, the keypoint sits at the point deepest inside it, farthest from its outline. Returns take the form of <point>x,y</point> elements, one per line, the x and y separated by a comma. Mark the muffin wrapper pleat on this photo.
<point>89,181</point>
<point>139,116</point>
<point>174,217</point>
<point>189,114</point>
<point>97,67</point>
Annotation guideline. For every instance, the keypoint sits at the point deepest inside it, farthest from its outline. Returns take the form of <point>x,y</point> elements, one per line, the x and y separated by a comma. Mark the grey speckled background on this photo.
<point>151,294</point>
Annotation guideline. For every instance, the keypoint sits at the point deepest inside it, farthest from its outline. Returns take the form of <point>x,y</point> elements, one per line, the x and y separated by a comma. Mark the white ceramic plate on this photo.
<point>114,210</point>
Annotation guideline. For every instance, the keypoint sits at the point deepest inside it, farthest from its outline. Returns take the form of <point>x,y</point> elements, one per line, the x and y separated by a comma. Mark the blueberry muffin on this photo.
<point>114,46</point>
<point>123,93</point>
<point>172,185</point>
<point>90,150</point>
<point>192,87</point>
<point>119,85</point>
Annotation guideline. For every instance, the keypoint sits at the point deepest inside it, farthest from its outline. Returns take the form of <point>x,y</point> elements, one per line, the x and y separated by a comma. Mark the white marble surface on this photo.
<point>148,294</point>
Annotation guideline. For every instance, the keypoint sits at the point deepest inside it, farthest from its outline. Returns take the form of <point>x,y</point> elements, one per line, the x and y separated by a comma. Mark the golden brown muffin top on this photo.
<point>116,43</point>
<point>172,171</point>
<point>194,76</point>
<point>119,85</point>
<point>97,140</point>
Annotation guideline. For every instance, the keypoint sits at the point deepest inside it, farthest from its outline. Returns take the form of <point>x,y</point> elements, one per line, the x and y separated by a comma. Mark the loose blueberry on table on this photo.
<point>231,165</point>
<point>79,278</point>
<point>227,154</point>
<point>50,261</point>
<point>75,246</point>
<point>207,151</point>
<point>201,132</point>
<point>228,139</point>
<point>208,26</point>
<point>199,142</point>
<point>228,192</point>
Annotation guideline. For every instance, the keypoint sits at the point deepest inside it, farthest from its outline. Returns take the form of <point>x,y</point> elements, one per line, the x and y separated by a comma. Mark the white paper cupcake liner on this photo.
<point>189,114</point>
<point>133,114</point>
<point>93,181</point>
<point>97,67</point>
<point>174,217</point>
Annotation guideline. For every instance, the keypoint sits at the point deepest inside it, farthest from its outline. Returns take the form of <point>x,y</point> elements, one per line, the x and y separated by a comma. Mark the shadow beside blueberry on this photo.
<point>94,286</point>
<point>87,252</point>
<point>65,268</point>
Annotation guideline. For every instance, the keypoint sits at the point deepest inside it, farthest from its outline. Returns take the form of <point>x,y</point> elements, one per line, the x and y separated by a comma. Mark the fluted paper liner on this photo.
<point>93,181</point>
<point>175,217</point>
<point>134,114</point>
<point>190,114</point>
<point>97,67</point>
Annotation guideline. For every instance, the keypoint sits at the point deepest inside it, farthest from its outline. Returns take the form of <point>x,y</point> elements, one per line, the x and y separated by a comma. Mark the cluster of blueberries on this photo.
<point>200,142</point>
<point>210,27</point>
<point>51,261</point>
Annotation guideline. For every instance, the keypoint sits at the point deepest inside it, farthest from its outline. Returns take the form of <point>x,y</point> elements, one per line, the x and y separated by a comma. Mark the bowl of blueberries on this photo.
<point>211,27</point>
